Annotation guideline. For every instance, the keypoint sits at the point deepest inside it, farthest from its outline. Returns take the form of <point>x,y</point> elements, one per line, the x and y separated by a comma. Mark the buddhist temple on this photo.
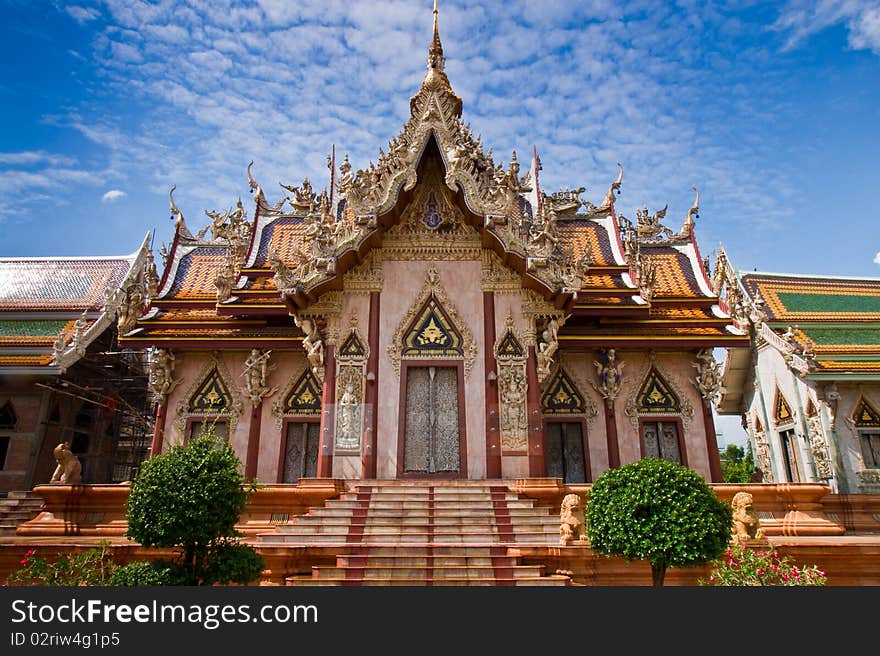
<point>437,314</point>
<point>809,391</point>
<point>426,362</point>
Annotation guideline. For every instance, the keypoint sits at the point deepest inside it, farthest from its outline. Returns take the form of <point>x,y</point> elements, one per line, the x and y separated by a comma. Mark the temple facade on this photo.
<point>809,390</point>
<point>437,314</point>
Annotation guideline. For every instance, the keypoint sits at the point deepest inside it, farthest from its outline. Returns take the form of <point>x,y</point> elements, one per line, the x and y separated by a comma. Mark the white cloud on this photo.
<point>112,195</point>
<point>803,18</point>
<point>877,258</point>
<point>82,14</point>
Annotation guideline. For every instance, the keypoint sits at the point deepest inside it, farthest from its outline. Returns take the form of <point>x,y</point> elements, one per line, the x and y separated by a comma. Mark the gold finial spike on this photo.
<point>435,53</point>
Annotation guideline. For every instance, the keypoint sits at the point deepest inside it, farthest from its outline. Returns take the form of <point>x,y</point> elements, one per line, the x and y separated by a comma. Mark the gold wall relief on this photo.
<point>211,395</point>
<point>432,328</point>
<point>658,394</point>
<point>301,397</point>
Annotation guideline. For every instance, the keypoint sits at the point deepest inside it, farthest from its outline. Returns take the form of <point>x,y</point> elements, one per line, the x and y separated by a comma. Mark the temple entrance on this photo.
<point>432,420</point>
<point>564,451</point>
<point>301,451</point>
<point>790,460</point>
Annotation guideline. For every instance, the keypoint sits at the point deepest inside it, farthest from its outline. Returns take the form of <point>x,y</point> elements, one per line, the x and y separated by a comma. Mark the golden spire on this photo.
<point>435,53</point>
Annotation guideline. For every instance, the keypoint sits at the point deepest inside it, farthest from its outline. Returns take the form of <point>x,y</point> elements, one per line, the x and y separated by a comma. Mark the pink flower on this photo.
<point>30,552</point>
<point>784,576</point>
<point>24,561</point>
<point>760,570</point>
<point>821,573</point>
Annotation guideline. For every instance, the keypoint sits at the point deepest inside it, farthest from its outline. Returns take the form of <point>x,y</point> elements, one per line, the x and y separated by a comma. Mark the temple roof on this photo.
<point>831,323</point>
<point>611,276</point>
<point>52,308</point>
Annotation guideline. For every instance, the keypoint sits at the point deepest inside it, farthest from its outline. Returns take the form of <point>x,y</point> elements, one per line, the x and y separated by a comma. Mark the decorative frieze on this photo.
<point>161,375</point>
<point>256,372</point>
<point>510,358</point>
<point>658,394</point>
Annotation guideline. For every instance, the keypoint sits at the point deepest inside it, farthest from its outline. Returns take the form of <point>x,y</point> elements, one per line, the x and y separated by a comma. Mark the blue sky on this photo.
<point>771,108</point>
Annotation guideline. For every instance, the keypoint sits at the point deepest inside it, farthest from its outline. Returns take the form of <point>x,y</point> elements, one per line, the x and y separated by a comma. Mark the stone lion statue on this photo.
<point>572,525</point>
<point>746,525</point>
<point>69,469</point>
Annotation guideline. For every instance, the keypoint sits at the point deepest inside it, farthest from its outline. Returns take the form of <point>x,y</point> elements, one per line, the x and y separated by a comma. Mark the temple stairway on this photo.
<point>18,507</point>
<point>423,534</point>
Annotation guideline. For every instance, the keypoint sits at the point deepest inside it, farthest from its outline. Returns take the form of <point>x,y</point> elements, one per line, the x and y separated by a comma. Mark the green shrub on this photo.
<point>191,497</point>
<point>745,565</point>
<point>88,567</point>
<point>154,572</point>
<point>657,511</point>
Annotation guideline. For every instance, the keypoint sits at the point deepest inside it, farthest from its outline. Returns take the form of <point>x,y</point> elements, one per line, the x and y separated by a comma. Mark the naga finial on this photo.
<point>614,188</point>
<point>175,211</point>
<point>694,211</point>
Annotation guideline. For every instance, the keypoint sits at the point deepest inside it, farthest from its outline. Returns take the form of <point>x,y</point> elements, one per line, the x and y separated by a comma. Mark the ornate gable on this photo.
<point>864,416</point>
<point>432,328</point>
<point>562,396</point>
<point>656,397</point>
<point>211,397</point>
<point>781,410</point>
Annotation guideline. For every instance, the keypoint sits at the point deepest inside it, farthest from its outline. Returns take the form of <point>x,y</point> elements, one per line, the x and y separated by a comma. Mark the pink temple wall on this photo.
<point>403,282</point>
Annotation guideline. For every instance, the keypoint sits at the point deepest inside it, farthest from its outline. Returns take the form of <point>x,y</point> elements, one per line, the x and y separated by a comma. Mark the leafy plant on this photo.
<point>191,498</point>
<point>657,511</point>
<point>88,567</point>
<point>154,572</point>
<point>737,464</point>
<point>745,565</point>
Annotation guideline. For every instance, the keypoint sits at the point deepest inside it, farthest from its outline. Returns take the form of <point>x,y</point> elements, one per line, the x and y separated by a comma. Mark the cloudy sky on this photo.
<point>771,108</point>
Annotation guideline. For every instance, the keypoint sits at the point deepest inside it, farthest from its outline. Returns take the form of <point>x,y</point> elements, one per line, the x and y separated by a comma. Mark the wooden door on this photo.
<point>431,436</point>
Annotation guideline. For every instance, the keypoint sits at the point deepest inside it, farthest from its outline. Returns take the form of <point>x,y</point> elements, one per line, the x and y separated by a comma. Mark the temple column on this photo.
<point>253,446</point>
<point>159,429</point>
<point>493,437</point>
<point>371,397</point>
<point>537,467</point>
<point>328,401</point>
<point>715,473</point>
<point>611,435</point>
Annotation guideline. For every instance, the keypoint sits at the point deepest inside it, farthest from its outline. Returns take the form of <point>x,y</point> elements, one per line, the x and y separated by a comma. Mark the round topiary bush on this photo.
<point>657,511</point>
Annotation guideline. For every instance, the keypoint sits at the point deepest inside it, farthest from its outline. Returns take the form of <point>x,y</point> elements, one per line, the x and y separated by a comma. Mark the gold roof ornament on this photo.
<point>177,216</point>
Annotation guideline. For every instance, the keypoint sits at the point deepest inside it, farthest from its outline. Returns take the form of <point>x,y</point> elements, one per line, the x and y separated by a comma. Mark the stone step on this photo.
<point>424,521</point>
<point>372,528</point>
<point>425,561</point>
<point>341,539</point>
<point>446,498</point>
<point>23,494</point>
<point>415,573</point>
<point>440,505</point>
<point>552,580</point>
<point>332,511</point>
